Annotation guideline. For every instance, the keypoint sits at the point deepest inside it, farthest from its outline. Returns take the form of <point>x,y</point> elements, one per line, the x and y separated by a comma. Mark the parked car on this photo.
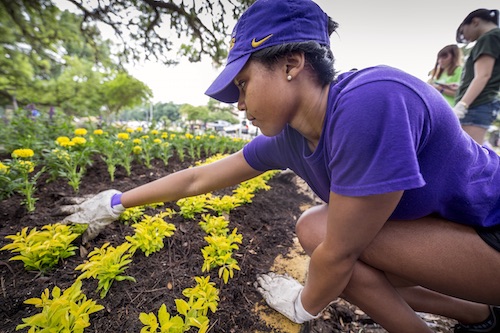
<point>244,127</point>
<point>218,125</point>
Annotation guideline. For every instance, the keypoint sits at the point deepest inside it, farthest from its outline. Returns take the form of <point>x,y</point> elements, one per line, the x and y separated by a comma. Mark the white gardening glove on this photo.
<point>460,110</point>
<point>96,212</point>
<point>282,293</point>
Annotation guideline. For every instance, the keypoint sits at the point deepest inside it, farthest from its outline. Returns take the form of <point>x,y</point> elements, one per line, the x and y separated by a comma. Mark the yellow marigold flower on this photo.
<point>172,136</point>
<point>137,141</point>
<point>211,136</point>
<point>98,132</point>
<point>198,137</point>
<point>78,140</point>
<point>23,153</point>
<point>119,143</point>
<point>189,136</point>
<point>80,131</point>
<point>139,129</point>
<point>3,168</point>
<point>61,140</point>
<point>130,130</point>
<point>164,135</point>
<point>145,137</point>
<point>136,150</point>
<point>153,132</point>
<point>27,165</point>
<point>157,140</point>
<point>123,136</point>
<point>68,144</point>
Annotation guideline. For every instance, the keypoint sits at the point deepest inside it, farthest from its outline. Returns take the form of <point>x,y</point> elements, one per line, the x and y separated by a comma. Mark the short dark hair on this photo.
<point>319,57</point>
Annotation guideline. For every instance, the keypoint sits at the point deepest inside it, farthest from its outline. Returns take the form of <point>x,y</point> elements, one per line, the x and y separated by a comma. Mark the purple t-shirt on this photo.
<point>386,131</point>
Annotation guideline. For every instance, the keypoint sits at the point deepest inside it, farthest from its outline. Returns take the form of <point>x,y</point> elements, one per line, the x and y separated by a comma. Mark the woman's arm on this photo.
<point>483,67</point>
<point>228,171</point>
<point>353,222</point>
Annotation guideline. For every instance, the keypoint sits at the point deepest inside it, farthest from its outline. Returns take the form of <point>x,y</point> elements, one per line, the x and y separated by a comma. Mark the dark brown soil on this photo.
<point>267,226</point>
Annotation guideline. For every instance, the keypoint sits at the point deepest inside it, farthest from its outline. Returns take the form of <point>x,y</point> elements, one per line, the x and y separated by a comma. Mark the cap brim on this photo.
<point>223,88</point>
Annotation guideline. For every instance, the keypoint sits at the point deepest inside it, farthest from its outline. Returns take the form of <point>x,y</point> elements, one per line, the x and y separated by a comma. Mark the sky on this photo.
<point>403,34</point>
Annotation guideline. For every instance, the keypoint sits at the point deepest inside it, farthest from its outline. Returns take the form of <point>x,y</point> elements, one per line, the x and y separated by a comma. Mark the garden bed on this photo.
<point>267,226</point>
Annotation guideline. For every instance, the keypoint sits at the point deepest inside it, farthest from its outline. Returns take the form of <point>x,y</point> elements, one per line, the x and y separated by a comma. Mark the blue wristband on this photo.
<point>116,200</point>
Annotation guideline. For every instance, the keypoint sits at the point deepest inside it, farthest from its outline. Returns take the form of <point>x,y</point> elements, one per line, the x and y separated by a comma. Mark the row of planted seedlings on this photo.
<point>70,310</point>
<point>69,157</point>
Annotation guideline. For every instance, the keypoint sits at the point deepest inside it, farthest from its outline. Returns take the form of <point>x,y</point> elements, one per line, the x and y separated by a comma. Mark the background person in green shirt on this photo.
<point>445,76</point>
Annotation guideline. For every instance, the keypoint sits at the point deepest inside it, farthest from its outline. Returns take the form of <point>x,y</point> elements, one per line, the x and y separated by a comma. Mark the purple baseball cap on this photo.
<point>268,23</point>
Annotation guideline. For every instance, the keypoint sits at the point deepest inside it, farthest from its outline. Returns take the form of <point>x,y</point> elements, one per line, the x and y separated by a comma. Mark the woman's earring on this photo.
<point>289,77</point>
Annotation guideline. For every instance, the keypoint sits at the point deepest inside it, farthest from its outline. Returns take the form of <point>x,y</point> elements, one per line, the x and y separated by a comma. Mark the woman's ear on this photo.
<point>294,63</point>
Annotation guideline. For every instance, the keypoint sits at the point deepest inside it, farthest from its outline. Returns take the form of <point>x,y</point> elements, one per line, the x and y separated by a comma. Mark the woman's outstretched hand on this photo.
<point>95,211</point>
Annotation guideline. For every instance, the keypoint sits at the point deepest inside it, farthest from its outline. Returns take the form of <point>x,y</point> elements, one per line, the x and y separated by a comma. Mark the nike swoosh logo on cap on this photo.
<point>258,43</point>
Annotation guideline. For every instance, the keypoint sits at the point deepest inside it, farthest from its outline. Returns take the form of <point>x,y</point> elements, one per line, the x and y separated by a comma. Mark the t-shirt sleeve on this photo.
<point>264,153</point>
<point>489,45</point>
<point>373,144</point>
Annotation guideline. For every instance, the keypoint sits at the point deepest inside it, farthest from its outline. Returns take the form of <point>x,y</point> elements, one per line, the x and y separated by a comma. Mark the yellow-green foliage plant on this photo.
<point>107,264</point>
<point>134,214</point>
<point>192,313</point>
<point>224,204</point>
<point>68,311</point>
<point>214,225</point>
<point>150,232</point>
<point>218,253</point>
<point>191,206</point>
<point>42,249</point>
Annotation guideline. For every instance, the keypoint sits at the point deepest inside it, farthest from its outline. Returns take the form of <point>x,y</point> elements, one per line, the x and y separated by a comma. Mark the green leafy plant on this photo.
<point>42,250</point>
<point>162,150</point>
<point>192,313</point>
<point>218,253</point>
<point>107,265</point>
<point>19,179</point>
<point>134,214</point>
<point>164,323</point>
<point>224,204</point>
<point>191,206</point>
<point>179,146</point>
<point>244,194</point>
<point>150,232</point>
<point>7,186</point>
<point>214,225</point>
<point>70,161</point>
<point>204,296</point>
<point>68,311</point>
<point>146,143</point>
<point>107,151</point>
<point>124,146</point>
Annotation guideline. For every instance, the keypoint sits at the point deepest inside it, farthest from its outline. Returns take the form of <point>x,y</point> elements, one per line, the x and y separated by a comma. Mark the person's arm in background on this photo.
<point>449,89</point>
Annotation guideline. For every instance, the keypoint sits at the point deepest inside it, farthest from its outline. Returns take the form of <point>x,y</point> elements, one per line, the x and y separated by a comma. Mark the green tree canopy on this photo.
<point>144,28</point>
<point>124,90</point>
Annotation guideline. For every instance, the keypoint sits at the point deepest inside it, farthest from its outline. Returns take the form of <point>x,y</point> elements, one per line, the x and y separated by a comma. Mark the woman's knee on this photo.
<point>311,227</point>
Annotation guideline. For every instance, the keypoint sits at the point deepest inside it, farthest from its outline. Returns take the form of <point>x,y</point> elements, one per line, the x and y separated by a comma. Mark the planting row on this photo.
<point>70,310</point>
<point>69,156</point>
